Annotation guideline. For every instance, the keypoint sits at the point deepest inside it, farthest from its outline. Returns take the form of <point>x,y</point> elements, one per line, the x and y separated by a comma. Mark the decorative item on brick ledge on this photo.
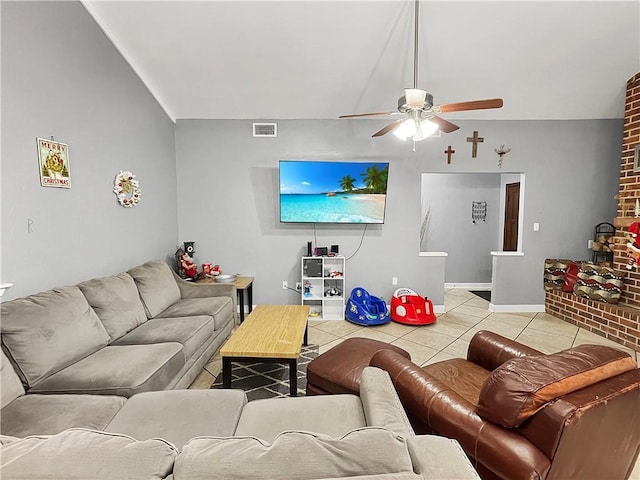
<point>633,245</point>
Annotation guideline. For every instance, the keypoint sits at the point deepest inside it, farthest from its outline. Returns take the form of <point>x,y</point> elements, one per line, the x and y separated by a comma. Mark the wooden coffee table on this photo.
<point>270,334</point>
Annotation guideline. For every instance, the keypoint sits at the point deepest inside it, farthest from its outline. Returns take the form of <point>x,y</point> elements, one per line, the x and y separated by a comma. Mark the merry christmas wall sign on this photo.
<point>53,160</point>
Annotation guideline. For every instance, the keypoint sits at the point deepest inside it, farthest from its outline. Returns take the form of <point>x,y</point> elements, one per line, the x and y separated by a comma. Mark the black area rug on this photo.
<point>486,294</point>
<point>269,380</point>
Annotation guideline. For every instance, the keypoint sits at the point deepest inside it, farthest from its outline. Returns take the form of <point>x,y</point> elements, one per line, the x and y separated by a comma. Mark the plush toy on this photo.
<point>190,269</point>
<point>186,267</point>
<point>633,245</point>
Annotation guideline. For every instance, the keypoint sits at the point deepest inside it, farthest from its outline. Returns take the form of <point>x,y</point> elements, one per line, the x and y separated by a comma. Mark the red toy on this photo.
<point>410,308</point>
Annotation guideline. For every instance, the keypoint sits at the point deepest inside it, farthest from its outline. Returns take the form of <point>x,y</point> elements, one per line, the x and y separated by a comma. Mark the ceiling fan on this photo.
<point>419,115</point>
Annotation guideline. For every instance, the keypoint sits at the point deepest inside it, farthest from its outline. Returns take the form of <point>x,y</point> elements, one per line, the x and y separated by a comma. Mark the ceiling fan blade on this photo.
<point>472,105</point>
<point>355,115</point>
<point>444,125</point>
<point>389,128</point>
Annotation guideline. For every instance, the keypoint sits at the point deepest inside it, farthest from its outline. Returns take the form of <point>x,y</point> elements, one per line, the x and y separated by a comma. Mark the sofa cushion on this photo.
<point>86,454</point>
<point>191,332</point>
<point>117,303</point>
<point>462,376</point>
<point>366,451</point>
<point>119,370</point>
<point>180,415</point>
<point>333,415</point>
<point>156,285</point>
<point>46,332</point>
<point>11,385</point>
<point>51,414</point>
<point>220,308</point>
<point>521,386</point>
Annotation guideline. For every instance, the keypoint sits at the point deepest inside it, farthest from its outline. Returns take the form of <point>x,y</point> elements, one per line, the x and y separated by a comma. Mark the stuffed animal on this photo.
<point>633,245</point>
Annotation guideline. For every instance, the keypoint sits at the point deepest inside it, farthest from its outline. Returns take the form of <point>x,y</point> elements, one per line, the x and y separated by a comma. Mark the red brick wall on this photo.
<point>620,323</point>
<point>629,189</point>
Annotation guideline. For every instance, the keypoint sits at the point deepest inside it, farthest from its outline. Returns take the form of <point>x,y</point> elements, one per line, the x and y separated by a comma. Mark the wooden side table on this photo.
<point>242,284</point>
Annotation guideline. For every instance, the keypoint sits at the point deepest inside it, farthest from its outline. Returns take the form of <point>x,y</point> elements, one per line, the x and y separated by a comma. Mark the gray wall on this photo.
<point>62,77</point>
<point>228,198</point>
<point>449,198</point>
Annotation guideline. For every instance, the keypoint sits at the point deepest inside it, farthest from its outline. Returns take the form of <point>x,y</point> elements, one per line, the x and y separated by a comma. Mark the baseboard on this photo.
<point>469,286</point>
<point>515,308</point>
<point>439,309</point>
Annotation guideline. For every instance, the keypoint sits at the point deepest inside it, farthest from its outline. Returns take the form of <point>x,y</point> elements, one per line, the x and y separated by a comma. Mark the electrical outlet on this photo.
<point>394,280</point>
<point>298,286</point>
<point>285,284</point>
<point>590,244</point>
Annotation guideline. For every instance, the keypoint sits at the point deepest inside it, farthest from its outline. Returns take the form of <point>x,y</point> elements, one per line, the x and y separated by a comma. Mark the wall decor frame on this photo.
<point>127,189</point>
<point>636,158</point>
<point>53,163</point>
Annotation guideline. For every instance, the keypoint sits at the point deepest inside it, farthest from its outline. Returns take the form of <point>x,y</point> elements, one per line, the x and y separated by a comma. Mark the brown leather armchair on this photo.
<point>521,414</point>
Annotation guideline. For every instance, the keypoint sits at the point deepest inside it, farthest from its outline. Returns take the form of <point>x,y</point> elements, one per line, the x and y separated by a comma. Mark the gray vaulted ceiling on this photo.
<point>319,59</point>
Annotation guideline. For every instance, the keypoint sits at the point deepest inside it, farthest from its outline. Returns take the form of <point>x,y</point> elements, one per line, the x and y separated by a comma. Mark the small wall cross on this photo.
<point>449,151</point>
<point>475,140</point>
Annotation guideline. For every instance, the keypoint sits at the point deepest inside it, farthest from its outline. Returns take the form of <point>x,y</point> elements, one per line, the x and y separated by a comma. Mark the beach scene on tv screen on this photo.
<point>333,192</point>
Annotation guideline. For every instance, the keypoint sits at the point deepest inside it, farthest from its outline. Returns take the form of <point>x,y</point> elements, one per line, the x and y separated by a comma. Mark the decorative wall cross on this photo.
<point>449,151</point>
<point>475,140</point>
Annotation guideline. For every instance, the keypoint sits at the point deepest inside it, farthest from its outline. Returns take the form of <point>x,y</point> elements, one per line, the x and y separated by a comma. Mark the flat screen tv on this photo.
<point>333,192</point>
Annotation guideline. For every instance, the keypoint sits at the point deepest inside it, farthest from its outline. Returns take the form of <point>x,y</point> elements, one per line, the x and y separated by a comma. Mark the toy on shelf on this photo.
<point>410,308</point>
<point>365,309</point>
<point>187,269</point>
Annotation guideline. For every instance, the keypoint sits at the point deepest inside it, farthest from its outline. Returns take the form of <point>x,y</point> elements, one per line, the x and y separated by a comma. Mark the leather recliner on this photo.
<point>521,414</point>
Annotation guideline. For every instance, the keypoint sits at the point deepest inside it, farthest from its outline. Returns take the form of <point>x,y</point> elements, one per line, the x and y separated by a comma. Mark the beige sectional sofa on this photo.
<point>205,434</point>
<point>93,380</point>
<point>139,331</point>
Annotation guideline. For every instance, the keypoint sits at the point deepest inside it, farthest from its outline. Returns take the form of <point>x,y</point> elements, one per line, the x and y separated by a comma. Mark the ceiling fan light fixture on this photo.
<point>425,129</point>
<point>406,129</point>
<point>415,97</point>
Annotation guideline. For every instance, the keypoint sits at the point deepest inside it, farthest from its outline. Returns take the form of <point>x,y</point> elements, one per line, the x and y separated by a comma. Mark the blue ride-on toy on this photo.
<point>365,309</point>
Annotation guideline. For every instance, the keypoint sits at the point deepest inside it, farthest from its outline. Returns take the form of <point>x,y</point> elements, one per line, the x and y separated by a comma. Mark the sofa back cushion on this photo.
<point>117,303</point>
<point>520,387</point>
<point>86,454</point>
<point>157,286</point>
<point>11,387</point>
<point>365,451</point>
<point>48,331</point>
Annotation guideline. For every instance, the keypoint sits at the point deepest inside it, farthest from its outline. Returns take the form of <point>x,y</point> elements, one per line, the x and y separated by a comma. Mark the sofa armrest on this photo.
<point>490,350</point>
<point>439,457</point>
<point>380,402</point>
<point>203,290</point>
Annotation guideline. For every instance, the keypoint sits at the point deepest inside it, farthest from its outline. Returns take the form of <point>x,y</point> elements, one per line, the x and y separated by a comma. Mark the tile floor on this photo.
<point>449,337</point>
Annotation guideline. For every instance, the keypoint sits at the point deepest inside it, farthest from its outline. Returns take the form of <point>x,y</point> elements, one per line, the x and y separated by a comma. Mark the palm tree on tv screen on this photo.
<point>347,183</point>
<point>376,179</point>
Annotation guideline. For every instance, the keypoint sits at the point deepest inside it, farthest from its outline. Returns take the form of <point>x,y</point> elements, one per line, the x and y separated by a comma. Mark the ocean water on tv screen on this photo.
<point>338,208</point>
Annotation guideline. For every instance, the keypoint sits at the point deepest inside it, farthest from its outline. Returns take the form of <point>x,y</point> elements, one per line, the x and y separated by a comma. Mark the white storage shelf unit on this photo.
<point>323,286</point>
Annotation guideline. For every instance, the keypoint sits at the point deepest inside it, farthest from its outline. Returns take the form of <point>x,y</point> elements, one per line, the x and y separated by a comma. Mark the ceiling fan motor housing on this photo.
<point>404,107</point>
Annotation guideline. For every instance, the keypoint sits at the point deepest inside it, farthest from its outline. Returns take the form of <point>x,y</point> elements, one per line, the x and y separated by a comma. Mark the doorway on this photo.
<point>511,217</point>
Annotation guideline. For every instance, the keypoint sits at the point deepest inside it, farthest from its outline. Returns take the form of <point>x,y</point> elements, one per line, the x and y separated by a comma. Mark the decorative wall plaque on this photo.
<point>127,189</point>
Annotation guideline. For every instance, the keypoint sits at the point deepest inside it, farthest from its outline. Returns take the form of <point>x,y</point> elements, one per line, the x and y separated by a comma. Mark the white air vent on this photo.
<point>265,129</point>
